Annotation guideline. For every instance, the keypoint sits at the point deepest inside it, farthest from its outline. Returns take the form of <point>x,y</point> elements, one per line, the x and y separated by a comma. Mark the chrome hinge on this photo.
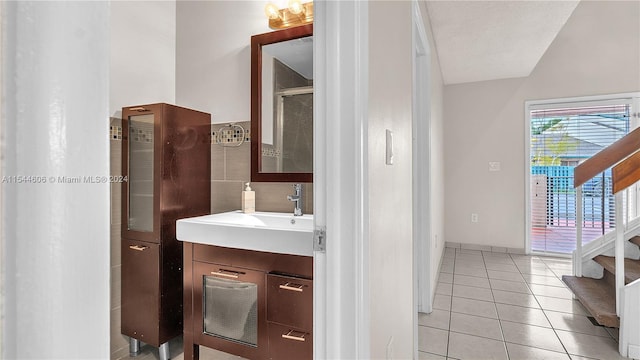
<point>320,239</point>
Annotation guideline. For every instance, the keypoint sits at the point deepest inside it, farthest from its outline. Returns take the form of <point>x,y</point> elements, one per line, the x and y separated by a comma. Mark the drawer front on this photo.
<point>290,301</point>
<point>286,343</point>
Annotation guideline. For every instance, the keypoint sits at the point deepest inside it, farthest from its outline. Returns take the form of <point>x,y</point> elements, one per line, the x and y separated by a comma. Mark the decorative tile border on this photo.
<point>115,132</point>
<point>229,135</point>
<point>270,152</point>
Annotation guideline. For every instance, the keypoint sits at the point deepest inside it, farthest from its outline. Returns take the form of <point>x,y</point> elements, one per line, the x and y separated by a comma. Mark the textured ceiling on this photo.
<point>488,40</point>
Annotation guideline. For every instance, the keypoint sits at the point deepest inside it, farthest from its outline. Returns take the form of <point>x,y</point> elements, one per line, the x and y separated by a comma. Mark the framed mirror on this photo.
<point>282,105</point>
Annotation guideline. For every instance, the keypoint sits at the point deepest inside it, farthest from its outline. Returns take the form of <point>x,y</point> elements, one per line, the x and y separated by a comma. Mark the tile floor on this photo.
<point>505,306</point>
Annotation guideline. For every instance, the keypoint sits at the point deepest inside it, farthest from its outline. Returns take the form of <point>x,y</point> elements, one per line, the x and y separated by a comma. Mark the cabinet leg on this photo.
<point>164,351</point>
<point>134,347</point>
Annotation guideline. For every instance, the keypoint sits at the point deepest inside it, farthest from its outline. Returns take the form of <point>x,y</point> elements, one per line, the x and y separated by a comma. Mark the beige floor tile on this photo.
<point>523,315</point>
<point>467,280</point>
<point>522,352</point>
<point>504,260</point>
<point>464,346</point>
<point>444,288</point>
<point>442,302</point>
<point>543,280</point>
<point>471,292</point>
<point>560,272</point>
<point>428,356</point>
<point>535,336</point>
<point>470,265</point>
<point>502,275</point>
<point>575,323</point>
<point>551,291</point>
<point>578,357</point>
<point>513,286</point>
<point>476,325</point>
<point>526,260</point>
<point>590,346</point>
<point>474,307</point>
<point>561,305</point>
<point>433,340</point>
<point>536,270</point>
<point>470,272</point>
<point>438,319</point>
<point>513,298</point>
<point>447,268</point>
<point>502,267</point>
<point>445,278</point>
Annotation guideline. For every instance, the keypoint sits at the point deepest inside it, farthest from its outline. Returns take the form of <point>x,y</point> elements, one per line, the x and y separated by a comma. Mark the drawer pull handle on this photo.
<point>292,287</point>
<point>227,274</point>
<point>293,337</point>
<point>139,109</point>
<point>138,247</point>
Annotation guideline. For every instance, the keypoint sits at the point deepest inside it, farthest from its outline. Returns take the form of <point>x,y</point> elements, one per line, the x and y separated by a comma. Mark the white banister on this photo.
<point>577,262</point>
<point>619,247</point>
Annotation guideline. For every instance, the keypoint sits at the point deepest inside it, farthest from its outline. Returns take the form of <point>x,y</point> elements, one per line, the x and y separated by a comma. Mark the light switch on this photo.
<point>494,166</point>
<point>389,158</point>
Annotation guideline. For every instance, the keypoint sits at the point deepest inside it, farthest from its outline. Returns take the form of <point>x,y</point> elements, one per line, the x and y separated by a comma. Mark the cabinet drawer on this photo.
<point>140,290</point>
<point>290,301</point>
<point>288,343</point>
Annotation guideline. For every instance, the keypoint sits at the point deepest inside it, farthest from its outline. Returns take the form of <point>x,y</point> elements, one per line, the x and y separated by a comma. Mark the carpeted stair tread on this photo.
<point>635,240</point>
<point>596,296</point>
<point>631,267</point>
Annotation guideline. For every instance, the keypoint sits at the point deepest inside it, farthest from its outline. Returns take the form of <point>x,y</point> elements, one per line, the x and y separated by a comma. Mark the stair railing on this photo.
<point>624,156</point>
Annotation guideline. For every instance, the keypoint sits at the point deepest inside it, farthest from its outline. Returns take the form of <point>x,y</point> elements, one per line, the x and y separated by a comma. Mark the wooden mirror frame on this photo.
<point>257,41</point>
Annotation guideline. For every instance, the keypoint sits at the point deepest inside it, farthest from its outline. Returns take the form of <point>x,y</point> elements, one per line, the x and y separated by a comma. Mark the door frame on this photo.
<point>341,282</point>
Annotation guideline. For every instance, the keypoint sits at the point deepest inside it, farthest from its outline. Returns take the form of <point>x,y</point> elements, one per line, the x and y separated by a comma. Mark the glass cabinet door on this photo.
<point>140,216</point>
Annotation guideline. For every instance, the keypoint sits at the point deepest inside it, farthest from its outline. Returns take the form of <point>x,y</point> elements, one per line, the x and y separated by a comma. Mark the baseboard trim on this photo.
<point>495,249</point>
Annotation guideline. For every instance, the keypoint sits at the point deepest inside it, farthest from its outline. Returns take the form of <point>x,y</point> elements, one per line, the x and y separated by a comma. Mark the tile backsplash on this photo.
<point>231,168</point>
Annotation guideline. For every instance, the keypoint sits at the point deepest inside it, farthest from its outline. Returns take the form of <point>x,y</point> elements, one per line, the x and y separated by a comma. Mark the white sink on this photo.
<point>260,231</point>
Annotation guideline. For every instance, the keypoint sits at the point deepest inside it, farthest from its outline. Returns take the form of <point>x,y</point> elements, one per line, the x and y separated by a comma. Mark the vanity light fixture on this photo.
<point>295,14</point>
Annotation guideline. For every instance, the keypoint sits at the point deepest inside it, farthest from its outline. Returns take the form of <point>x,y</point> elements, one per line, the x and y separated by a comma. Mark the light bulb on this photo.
<point>295,7</point>
<point>272,11</point>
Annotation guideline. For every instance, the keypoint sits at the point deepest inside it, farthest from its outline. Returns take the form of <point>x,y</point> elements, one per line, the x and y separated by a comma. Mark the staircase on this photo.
<point>599,295</point>
<point>614,298</point>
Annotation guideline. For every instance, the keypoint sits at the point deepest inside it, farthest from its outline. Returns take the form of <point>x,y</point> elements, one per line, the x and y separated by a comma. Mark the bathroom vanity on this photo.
<point>166,159</point>
<point>252,297</point>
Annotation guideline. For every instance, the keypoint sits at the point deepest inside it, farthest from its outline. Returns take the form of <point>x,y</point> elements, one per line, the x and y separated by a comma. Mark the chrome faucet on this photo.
<point>297,199</point>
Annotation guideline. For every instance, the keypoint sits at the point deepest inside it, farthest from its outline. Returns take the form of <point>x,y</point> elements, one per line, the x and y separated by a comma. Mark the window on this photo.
<point>562,135</point>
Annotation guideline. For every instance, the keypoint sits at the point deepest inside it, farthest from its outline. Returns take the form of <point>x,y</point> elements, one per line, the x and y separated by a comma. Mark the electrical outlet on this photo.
<point>474,218</point>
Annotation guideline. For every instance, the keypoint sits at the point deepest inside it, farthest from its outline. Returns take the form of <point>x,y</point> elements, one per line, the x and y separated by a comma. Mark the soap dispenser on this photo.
<point>248,200</point>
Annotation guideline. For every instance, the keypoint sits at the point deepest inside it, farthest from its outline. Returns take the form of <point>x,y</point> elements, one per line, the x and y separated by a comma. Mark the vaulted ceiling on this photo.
<point>488,40</point>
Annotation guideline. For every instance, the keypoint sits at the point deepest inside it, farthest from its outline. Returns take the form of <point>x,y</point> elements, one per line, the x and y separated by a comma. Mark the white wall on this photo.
<point>597,52</point>
<point>213,66</point>
<point>143,53</point>
<point>56,236</point>
<point>390,210</point>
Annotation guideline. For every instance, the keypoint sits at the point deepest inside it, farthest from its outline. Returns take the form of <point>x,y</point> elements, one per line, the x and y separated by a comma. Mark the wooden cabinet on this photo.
<point>166,161</point>
<point>278,287</point>
<point>290,317</point>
